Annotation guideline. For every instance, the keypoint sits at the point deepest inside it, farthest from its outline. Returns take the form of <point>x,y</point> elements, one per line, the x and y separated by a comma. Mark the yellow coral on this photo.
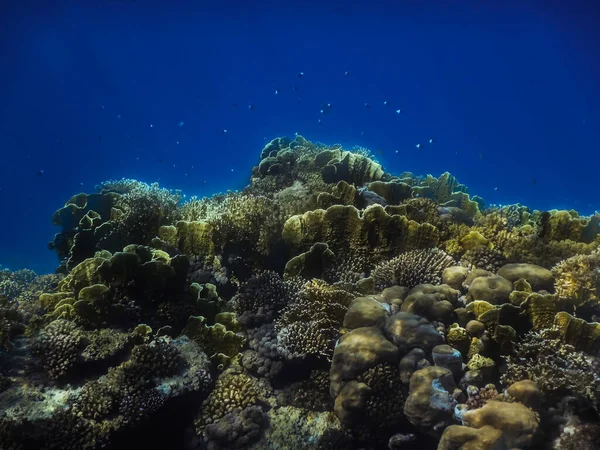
<point>344,227</point>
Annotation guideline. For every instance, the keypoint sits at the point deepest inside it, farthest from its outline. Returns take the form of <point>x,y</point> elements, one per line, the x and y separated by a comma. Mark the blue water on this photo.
<point>100,90</point>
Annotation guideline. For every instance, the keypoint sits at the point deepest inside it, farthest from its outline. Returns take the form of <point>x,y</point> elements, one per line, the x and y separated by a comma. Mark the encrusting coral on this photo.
<point>329,304</point>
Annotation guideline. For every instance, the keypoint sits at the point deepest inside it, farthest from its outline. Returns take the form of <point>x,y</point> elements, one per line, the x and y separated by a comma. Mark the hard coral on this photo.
<point>557,368</point>
<point>310,325</point>
<point>262,296</point>
<point>484,258</point>
<point>578,278</point>
<point>345,227</point>
<point>144,209</point>
<point>233,392</point>
<point>412,268</point>
<point>59,346</point>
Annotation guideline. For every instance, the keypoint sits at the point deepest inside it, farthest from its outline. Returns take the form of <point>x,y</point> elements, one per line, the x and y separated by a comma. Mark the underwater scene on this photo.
<point>299,225</point>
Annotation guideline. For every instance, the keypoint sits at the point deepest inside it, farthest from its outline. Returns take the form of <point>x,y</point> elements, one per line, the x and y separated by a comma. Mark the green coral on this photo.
<point>218,342</point>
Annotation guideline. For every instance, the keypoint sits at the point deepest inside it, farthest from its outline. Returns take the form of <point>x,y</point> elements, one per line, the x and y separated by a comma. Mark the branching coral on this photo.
<point>233,391</point>
<point>578,278</point>
<point>59,346</point>
<point>262,296</point>
<point>412,268</point>
<point>557,368</point>
<point>309,326</point>
<point>144,209</point>
<point>484,258</point>
<point>10,321</point>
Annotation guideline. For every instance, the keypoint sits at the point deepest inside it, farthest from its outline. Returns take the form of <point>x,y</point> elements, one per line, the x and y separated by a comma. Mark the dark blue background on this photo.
<point>513,89</point>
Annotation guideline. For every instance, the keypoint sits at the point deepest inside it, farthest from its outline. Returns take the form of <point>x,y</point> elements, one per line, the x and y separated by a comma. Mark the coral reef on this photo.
<point>327,305</point>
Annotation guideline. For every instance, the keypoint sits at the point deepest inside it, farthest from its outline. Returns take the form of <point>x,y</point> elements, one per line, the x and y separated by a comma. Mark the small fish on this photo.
<point>300,74</point>
<point>251,107</point>
<point>118,116</point>
<point>177,142</point>
<point>223,131</point>
<point>180,124</point>
<point>385,103</point>
<point>367,105</point>
<point>319,121</point>
<point>432,141</point>
<point>346,73</point>
<point>151,126</point>
<point>161,161</point>
<point>295,88</point>
<point>102,107</point>
<point>232,170</point>
<point>419,146</point>
<point>276,91</point>
<point>326,108</point>
<point>398,111</point>
<point>397,151</point>
<point>80,184</point>
<point>496,188</point>
<point>40,172</point>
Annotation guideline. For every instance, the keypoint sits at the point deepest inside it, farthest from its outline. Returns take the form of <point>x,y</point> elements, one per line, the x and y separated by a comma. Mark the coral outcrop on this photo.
<point>327,305</point>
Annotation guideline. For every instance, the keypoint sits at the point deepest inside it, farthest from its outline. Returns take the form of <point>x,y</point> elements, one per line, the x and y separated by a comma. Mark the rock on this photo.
<point>430,398</point>
<point>402,441</point>
<point>497,425</point>
<point>365,312</point>
<point>449,358</point>
<point>432,302</point>
<point>409,364</point>
<point>395,295</point>
<point>472,378</point>
<point>357,351</point>
<point>455,276</point>
<point>475,328</point>
<point>457,437</point>
<point>350,403</point>
<point>463,316</point>
<point>517,423</point>
<point>493,289</point>
<point>526,392</point>
<point>538,277</point>
<point>475,273</point>
<point>407,331</point>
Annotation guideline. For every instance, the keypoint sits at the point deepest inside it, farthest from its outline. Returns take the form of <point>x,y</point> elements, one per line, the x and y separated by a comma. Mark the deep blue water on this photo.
<point>97,90</point>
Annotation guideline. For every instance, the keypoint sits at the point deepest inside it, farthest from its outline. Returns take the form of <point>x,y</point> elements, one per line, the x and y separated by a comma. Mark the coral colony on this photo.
<point>328,305</point>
